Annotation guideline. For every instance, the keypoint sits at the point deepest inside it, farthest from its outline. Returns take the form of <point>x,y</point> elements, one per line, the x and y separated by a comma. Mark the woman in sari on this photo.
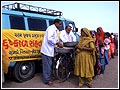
<point>100,35</point>
<point>85,58</point>
<point>112,46</point>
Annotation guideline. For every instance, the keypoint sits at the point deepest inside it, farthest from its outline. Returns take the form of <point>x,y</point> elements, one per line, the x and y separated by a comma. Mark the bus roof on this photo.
<point>33,11</point>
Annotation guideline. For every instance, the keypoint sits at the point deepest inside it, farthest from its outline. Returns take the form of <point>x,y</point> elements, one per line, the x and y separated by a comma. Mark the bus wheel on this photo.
<point>24,71</point>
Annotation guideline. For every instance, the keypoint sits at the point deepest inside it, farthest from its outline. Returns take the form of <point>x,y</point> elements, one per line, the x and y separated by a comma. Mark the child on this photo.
<point>104,47</point>
<point>107,46</point>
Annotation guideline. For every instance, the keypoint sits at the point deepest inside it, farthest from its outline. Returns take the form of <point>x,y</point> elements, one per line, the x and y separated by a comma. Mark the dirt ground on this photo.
<point>109,80</point>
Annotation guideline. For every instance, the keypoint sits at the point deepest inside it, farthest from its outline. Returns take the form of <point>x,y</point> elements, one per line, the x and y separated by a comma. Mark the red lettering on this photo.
<point>16,43</point>
<point>10,42</point>
<point>40,43</point>
<point>21,43</point>
<point>5,43</point>
<point>36,43</point>
<point>25,43</point>
<point>31,43</point>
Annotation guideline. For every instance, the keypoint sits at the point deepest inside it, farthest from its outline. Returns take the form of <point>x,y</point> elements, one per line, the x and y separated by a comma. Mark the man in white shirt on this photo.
<point>47,49</point>
<point>67,35</point>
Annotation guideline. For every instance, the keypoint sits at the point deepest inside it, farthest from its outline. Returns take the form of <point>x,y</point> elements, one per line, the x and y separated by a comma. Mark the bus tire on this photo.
<point>24,71</point>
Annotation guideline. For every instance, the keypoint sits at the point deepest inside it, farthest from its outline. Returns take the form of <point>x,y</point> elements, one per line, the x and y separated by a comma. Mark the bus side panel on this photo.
<point>5,21</point>
<point>21,45</point>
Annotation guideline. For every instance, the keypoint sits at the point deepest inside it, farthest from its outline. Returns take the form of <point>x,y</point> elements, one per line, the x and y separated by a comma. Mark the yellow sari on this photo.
<point>85,60</point>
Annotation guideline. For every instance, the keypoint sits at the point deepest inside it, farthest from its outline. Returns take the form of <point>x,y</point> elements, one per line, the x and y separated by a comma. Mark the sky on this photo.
<point>89,14</point>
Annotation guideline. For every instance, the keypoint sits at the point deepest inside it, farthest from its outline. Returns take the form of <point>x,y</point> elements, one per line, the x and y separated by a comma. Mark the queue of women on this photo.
<point>94,51</point>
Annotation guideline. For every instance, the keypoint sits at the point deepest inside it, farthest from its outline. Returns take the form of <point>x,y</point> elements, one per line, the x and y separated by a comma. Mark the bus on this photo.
<point>23,28</point>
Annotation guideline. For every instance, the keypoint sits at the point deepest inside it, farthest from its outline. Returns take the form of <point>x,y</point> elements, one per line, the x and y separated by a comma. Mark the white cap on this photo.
<point>71,26</point>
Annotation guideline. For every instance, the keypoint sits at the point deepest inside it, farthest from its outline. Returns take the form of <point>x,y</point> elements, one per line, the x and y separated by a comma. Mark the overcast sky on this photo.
<point>87,14</point>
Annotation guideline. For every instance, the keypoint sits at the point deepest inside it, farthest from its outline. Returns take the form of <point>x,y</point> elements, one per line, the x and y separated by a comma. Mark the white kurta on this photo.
<point>50,40</point>
<point>65,37</point>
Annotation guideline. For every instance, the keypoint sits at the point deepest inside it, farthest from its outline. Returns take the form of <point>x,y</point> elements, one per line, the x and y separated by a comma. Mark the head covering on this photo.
<point>87,32</point>
<point>71,26</point>
<point>94,33</point>
<point>108,34</point>
<point>85,40</point>
<point>101,36</point>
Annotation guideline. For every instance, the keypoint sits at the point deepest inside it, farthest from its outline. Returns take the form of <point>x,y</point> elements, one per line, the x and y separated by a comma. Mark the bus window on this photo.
<point>61,28</point>
<point>37,24</point>
<point>51,22</point>
<point>68,22</point>
<point>17,22</point>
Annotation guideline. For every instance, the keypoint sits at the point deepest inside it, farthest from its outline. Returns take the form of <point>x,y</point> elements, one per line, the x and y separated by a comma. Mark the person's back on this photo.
<point>116,41</point>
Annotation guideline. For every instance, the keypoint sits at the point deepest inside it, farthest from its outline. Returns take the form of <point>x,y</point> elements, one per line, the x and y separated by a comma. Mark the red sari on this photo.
<point>101,35</point>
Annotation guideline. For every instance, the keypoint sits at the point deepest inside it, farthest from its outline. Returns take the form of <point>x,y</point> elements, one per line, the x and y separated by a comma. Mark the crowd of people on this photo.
<point>100,47</point>
<point>93,51</point>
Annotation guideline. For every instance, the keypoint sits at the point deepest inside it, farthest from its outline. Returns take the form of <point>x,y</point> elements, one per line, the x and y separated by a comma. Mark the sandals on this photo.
<point>80,86</point>
<point>89,85</point>
<point>50,83</point>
